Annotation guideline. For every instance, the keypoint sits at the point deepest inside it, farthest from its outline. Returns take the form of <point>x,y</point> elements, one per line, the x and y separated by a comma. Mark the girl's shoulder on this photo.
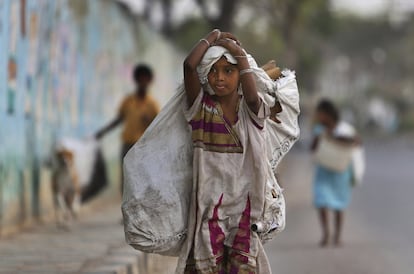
<point>203,102</point>
<point>208,99</point>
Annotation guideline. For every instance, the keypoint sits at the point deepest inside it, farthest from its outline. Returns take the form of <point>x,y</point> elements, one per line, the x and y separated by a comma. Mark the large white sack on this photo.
<point>280,137</point>
<point>157,183</point>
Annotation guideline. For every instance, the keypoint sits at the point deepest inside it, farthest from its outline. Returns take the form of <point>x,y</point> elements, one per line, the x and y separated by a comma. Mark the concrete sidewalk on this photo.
<point>94,244</point>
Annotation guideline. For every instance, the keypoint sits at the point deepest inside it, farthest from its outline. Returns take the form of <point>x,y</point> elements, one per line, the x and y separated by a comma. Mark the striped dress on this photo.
<point>229,176</point>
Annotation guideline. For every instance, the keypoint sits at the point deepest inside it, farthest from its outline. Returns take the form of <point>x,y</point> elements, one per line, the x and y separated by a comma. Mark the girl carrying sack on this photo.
<point>198,184</point>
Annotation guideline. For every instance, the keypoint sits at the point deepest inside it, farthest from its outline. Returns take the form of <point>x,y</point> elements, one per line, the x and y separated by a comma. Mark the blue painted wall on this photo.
<point>73,61</point>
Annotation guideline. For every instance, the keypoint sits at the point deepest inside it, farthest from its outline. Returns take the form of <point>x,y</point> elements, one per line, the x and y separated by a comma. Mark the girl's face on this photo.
<point>223,77</point>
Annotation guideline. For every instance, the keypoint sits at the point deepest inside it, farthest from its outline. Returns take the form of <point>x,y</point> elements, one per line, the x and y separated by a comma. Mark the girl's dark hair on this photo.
<point>326,106</point>
<point>142,70</point>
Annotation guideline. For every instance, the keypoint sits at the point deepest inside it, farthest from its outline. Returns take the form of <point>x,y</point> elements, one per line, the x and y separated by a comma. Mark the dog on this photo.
<point>65,187</point>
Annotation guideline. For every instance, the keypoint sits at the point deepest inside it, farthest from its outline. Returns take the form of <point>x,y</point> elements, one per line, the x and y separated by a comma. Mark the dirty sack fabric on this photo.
<point>158,183</point>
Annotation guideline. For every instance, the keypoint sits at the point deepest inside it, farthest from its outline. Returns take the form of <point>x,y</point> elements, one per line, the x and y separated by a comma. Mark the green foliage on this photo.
<point>305,34</point>
<point>264,48</point>
<point>188,33</point>
<point>315,15</point>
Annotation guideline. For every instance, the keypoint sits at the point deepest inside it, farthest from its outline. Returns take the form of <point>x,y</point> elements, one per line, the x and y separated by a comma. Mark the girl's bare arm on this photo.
<point>191,82</point>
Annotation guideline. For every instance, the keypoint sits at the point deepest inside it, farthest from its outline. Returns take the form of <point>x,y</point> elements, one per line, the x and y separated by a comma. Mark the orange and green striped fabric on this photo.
<point>211,131</point>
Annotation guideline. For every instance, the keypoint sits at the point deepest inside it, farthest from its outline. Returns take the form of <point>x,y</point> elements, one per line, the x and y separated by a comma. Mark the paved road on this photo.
<point>378,231</point>
<point>379,226</point>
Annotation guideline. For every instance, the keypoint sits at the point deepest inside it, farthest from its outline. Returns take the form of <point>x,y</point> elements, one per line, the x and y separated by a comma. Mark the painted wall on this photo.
<point>65,65</point>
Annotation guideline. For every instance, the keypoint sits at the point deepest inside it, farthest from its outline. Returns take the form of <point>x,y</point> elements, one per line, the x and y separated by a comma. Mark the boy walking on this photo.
<point>136,112</point>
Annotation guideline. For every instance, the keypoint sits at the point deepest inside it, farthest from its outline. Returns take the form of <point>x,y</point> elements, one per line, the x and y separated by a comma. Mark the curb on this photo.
<point>122,260</point>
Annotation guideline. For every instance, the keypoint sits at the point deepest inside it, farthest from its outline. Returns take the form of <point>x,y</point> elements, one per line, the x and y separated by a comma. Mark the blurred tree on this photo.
<point>307,36</point>
<point>167,26</point>
<point>294,21</point>
<point>303,27</point>
<point>291,31</point>
<point>225,17</point>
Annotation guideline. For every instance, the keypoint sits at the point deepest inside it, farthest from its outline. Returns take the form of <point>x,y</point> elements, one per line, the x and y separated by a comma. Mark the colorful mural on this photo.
<point>64,67</point>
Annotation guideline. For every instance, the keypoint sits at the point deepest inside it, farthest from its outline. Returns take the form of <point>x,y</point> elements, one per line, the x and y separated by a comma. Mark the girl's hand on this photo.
<point>230,42</point>
<point>217,35</point>
<point>212,37</point>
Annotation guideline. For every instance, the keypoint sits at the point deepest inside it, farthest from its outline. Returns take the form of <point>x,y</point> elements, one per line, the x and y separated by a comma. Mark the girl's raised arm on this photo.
<point>191,82</point>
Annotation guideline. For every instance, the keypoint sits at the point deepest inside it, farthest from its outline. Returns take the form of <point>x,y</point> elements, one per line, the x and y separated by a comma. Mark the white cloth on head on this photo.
<point>264,83</point>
